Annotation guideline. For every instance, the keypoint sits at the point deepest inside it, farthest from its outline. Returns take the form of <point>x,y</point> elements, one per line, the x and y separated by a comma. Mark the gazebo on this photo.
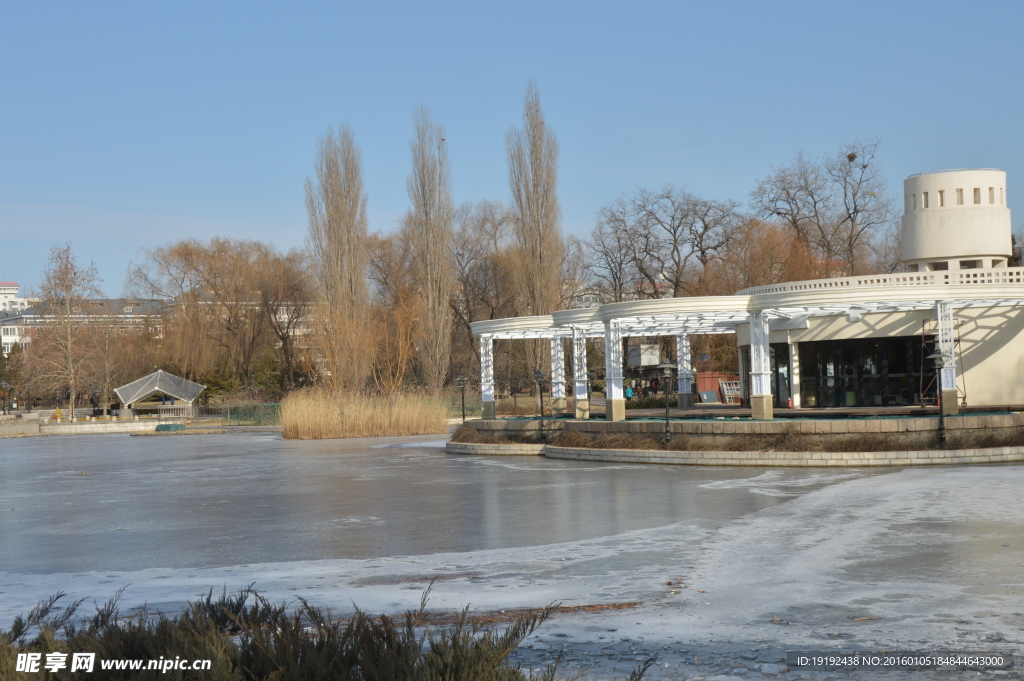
<point>160,382</point>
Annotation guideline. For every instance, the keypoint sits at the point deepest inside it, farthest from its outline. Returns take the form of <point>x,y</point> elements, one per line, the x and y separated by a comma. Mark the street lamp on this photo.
<point>666,373</point>
<point>461,380</point>
<point>28,397</point>
<point>6,386</point>
<point>940,361</point>
<point>539,377</point>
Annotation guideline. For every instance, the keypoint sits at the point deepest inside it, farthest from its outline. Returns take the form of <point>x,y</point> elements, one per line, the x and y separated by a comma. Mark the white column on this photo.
<point>685,362</point>
<point>487,375</point>
<point>947,374</point>
<point>760,368</point>
<point>614,402</point>
<point>760,362</point>
<point>579,363</point>
<point>612,361</point>
<point>581,398</point>
<point>557,374</point>
<point>794,373</point>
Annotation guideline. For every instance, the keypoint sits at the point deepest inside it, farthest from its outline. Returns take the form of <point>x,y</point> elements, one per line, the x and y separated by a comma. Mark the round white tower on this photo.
<point>956,219</point>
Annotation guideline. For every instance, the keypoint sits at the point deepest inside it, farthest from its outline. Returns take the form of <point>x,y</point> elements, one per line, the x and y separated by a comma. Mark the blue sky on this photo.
<point>124,126</point>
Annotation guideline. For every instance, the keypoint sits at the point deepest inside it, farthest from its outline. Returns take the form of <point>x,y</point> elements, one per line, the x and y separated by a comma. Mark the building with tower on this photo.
<point>949,331</point>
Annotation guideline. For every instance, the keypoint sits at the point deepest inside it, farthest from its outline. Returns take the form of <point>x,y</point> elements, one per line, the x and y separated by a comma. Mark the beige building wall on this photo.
<point>990,361</point>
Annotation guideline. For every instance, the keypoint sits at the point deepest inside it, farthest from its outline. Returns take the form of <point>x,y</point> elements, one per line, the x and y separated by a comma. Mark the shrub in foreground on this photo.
<point>247,638</point>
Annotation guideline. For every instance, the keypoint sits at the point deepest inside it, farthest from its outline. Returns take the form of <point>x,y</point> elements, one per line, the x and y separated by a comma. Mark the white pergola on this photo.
<point>785,306</point>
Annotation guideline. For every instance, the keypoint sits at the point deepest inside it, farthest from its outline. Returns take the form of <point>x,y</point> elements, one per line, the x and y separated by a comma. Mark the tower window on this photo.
<point>977,195</point>
<point>942,198</point>
<point>991,194</point>
<point>914,196</point>
<point>1000,196</point>
<point>959,197</point>
<point>924,199</point>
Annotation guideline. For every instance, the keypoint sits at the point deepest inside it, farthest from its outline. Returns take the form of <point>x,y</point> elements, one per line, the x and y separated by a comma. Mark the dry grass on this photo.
<point>319,414</point>
<point>471,434</point>
<point>248,638</point>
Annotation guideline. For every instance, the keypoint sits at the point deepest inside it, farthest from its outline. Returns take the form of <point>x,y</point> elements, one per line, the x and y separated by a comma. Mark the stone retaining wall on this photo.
<point>996,424</point>
<point>907,433</point>
<point>80,428</point>
<point>905,458</point>
<point>12,428</point>
<point>510,449</point>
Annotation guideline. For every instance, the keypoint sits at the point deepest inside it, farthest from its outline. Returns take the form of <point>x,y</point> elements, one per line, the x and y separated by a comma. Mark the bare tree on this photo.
<point>336,205</point>
<point>610,254</point>
<point>485,280</point>
<point>864,205</point>
<point>533,180</point>
<point>395,308</point>
<point>284,285</point>
<point>62,348</point>
<point>573,271</point>
<point>833,205</point>
<point>216,286</point>
<point>713,226</point>
<point>428,225</point>
<point>652,244</point>
<point>658,228</point>
<point>119,354</point>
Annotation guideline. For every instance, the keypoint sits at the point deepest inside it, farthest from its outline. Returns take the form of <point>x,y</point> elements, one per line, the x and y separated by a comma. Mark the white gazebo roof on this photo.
<point>159,382</point>
<point>783,303</point>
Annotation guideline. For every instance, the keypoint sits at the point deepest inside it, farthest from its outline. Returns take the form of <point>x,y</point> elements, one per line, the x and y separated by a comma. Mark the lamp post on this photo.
<point>940,361</point>
<point>6,386</point>
<point>28,397</point>
<point>539,377</point>
<point>461,380</point>
<point>666,373</point>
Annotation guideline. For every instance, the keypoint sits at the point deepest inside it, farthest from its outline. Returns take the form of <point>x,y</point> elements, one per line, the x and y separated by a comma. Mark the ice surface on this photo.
<point>838,558</point>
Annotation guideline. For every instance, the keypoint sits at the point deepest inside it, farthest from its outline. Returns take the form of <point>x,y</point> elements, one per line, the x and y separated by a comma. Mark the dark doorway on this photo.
<point>870,372</point>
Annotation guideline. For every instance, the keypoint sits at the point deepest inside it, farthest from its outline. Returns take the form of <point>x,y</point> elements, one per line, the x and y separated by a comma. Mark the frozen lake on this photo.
<point>848,557</point>
<point>131,503</point>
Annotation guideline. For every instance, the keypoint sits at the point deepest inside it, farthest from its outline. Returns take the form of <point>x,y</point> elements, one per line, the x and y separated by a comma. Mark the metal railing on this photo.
<point>995,275</point>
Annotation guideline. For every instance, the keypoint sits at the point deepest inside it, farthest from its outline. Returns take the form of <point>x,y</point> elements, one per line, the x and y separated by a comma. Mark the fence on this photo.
<point>177,410</point>
<point>268,414</point>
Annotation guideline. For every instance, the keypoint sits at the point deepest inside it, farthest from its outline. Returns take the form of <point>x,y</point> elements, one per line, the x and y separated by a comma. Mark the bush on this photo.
<point>320,413</point>
<point>652,402</point>
<point>790,440</point>
<point>468,433</point>
<point>247,638</point>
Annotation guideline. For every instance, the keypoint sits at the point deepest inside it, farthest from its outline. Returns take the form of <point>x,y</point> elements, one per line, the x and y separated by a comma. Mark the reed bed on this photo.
<point>320,413</point>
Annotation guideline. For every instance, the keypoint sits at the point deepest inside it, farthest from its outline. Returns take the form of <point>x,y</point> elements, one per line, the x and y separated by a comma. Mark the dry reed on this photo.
<point>320,413</point>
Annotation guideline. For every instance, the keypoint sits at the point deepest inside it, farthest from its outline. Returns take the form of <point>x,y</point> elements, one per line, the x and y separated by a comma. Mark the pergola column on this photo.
<point>487,376</point>
<point>684,387</point>
<point>557,375</point>
<point>579,373</point>
<point>615,403</point>
<point>947,374</point>
<point>760,368</point>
